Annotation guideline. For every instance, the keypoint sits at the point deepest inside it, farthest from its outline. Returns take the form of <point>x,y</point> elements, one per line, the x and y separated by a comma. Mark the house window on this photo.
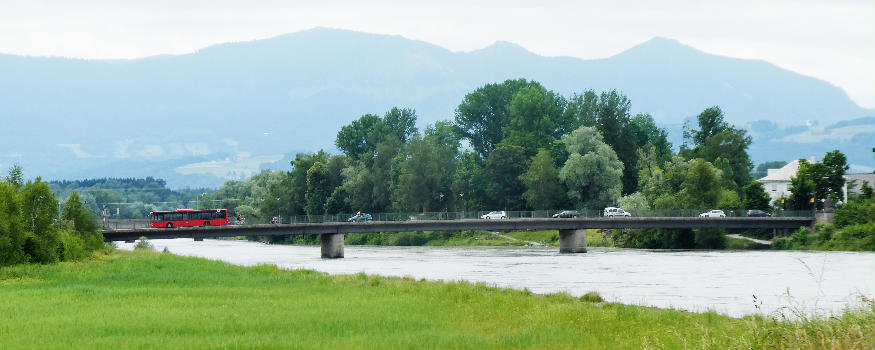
<point>774,187</point>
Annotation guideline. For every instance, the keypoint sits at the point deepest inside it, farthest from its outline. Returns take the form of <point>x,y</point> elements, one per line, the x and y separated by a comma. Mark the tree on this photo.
<point>360,137</point>
<point>635,203</point>
<point>592,172</point>
<point>401,122</point>
<point>426,173</point>
<point>318,188</point>
<point>503,168</point>
<point>40,210</point>
<point>803,188</point>
<point>543,188</point>
<point>16,177</point>
<point>716,139</point>
<point>819,181</point>
<point>647,135</point>
<point>11,226</point>
<point>835,165</point>
<point>338,202</point>
<point>84,223</point>
<point>482,115</point>
<point>536,119</point>
<point>469,183</point>
<point>755,196</point>
<point>608,112</point>
<point>701,188</point>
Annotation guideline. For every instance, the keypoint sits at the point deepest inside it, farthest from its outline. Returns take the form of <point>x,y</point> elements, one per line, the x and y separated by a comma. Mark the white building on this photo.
<point>777,181</point>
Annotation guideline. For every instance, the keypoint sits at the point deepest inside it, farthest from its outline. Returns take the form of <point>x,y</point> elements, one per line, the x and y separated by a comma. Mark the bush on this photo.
<point>592,297</point>
<point>781,243</point>
<point>855,212</point>
<point>710,239</point>
<point>72,247</point>
<point>143,244</point>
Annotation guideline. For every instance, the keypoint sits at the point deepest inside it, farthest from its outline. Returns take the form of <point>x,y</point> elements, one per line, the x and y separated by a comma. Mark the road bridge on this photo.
<point>572,232</point>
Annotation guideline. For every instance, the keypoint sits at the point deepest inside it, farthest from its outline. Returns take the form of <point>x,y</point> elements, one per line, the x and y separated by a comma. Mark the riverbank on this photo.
<point>155,300</point>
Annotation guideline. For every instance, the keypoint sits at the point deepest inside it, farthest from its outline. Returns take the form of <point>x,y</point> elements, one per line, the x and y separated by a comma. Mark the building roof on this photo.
<point>782,174</point>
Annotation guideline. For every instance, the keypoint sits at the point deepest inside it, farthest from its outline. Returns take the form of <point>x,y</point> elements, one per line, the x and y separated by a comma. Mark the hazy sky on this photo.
<point>830,40</point>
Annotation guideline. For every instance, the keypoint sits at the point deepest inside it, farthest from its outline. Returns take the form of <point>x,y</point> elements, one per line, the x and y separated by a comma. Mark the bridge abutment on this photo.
<point>332,245</point>
<point>572,241</point>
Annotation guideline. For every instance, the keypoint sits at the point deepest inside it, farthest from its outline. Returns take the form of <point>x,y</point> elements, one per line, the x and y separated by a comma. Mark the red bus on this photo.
<point>189,217</point>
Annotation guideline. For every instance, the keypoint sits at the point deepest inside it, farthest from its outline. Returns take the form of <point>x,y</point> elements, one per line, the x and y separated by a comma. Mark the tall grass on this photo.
<point>144,299</point>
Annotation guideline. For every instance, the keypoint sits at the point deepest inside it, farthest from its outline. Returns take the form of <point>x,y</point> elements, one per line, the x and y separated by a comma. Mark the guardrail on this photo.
<point>116,224</point>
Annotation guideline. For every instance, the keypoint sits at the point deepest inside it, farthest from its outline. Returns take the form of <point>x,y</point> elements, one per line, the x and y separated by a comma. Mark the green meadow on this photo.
<point>158,300</point>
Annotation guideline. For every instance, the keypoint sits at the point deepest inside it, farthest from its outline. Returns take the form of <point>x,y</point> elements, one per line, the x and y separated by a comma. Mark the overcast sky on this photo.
<point>830,40</point>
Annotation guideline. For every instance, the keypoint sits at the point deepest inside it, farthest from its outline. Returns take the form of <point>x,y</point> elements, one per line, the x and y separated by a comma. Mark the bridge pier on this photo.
<point>572,241</point>
<point>332,245</point>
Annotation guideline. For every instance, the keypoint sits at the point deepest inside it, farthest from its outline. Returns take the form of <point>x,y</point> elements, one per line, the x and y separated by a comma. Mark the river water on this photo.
<point>724,281</point>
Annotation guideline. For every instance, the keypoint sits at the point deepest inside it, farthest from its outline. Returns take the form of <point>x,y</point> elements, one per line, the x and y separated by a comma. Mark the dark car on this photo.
<point>756,212</point>
<point>567,214</point>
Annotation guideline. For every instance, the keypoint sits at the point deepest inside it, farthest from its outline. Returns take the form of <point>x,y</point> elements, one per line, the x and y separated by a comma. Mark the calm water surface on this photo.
<point>725,281</point>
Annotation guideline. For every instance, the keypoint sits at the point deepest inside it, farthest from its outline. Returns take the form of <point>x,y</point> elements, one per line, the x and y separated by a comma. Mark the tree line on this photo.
<point>128,198</point>
<point>513,145</point>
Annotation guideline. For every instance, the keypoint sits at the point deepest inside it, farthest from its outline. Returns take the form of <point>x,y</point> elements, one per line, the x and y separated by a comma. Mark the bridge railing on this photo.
<point>116,224</point>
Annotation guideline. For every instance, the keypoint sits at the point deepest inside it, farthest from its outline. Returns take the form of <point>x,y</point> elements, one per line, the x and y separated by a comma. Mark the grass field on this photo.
<point>159,300</point>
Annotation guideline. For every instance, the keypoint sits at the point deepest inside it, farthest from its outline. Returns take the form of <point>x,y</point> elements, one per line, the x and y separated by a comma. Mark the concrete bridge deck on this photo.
<point>572,237</point>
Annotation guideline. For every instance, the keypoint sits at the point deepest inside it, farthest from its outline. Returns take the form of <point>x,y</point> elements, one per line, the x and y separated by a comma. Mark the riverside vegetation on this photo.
<point>143,299</point>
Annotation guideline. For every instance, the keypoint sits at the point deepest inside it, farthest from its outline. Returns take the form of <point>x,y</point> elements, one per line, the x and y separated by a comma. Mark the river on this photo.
<point>723,281</point>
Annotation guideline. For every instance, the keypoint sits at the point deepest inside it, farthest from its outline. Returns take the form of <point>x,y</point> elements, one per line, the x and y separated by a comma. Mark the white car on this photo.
<point>612,212</point>
<point>713,214</point>
<point>494,215</point>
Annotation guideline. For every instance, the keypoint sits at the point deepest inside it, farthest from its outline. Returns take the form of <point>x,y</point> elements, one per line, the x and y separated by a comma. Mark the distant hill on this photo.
<point>231,109</point>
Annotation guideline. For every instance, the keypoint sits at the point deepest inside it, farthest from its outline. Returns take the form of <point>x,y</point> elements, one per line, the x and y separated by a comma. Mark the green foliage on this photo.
<point>72,246</point>
<point>470,183</point>
<point>503,169</point>
<point>592,297</point>
<point>701,187</point>
<point>74,210</point>
<point>125,198</point>
<point>338,202</point>
<point>483,114</point>
<point>40,211</point>
<point>755,196</point>
<point>318,188</point>
<point>15,177</point>
<point>543,189</point>
<point>819,181</point>
<point>592,172</point>
<point>143,244</point>
<point>11,226</point>
<point>536,119</point>
<point>710,239</point>
<point>855,212</point>
<point>716,139</point>
<point>30,229</point>
<point>634,203</point>
<point>426,175</point>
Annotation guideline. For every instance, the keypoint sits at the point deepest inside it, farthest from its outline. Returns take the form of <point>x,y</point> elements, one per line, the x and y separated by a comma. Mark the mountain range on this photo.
<point>229,110</point>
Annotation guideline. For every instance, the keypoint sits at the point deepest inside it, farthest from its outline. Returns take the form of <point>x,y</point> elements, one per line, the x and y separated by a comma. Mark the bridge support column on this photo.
<point>572,241</point>
<point>332,245</point>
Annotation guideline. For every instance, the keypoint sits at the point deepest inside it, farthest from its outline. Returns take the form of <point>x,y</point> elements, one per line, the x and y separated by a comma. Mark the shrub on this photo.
<point>781,243</point>
<point>592,297</point>
<point>143,244</point>
<point>855,212</point>
<point>710,239</point>
<point>72,247</point>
